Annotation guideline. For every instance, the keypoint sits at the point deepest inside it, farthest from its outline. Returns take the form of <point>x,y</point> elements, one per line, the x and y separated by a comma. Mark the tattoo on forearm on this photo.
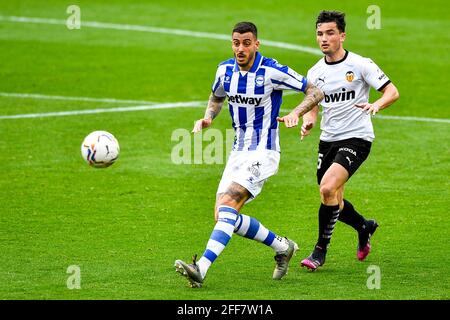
<point>214,106</point>
<point>313,96</point>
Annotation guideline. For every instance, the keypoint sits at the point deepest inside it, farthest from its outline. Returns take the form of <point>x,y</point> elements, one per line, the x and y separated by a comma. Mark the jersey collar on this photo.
<point>255,66</point>
<point>336,62</point>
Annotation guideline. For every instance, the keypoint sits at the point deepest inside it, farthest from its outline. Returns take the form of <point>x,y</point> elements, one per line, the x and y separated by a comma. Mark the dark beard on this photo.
<point>245,65</point>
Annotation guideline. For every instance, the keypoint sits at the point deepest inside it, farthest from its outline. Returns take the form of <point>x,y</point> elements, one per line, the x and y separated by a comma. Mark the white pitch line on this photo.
<point>67,98</point>
<point>407,118</point>
<point>106,110</point>
<point>187,104</point>
<point>111,100</point>
<point>180,32</point>
<point>401,118</point>
<point>115,26</point>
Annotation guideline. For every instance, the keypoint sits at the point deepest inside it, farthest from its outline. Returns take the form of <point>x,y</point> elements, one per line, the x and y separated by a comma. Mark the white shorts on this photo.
<point>249,169</point>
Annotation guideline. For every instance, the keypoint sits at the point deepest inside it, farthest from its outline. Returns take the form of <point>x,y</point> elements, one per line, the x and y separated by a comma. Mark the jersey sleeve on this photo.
<point>285,78</point>
<point>217,86</point>
<point>374,76</point>
<point>309,76</point>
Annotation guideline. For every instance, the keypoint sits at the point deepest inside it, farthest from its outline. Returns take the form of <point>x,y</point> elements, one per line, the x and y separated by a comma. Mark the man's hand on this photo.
<point>290,120</point>
<point>306,128</point>
<point>201,124</point>
<point>368,107</point>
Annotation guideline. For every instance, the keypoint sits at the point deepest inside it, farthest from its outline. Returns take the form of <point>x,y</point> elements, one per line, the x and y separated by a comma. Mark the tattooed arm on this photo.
<point>313,96</point>
<point>214,106</point>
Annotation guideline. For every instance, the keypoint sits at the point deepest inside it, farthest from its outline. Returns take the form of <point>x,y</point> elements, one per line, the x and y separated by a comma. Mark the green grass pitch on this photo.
<point>125,225</point>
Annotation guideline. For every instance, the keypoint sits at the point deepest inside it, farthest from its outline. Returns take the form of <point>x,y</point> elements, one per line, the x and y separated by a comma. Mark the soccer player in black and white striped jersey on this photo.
<point>347,131</point>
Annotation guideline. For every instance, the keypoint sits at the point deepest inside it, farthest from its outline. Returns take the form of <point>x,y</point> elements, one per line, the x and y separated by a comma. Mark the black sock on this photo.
<point>328,216</point>
<point>350,216</point>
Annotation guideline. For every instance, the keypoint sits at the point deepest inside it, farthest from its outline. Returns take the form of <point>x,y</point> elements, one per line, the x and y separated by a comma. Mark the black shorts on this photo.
<point>349,153</point>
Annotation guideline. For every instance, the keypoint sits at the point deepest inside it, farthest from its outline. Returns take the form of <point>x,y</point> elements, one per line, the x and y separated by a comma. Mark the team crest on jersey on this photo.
<point>227,79</point>
<point>259,81</point>
<point>349,76</point>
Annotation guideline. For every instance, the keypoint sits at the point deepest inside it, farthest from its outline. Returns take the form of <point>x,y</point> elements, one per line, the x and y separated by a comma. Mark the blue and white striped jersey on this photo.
<point>254,99</point>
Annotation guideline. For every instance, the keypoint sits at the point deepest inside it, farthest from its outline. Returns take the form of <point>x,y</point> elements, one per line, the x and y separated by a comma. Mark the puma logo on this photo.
<point>349,161</point>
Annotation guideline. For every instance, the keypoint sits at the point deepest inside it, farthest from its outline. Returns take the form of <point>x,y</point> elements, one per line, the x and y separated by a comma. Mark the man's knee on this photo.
<point>225,199</point>
<point>228,200</point>
<point>234,197</point>
<point>328,192</point>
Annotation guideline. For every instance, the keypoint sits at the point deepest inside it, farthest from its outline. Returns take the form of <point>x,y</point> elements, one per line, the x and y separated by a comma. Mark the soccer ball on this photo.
<point>100,149</point>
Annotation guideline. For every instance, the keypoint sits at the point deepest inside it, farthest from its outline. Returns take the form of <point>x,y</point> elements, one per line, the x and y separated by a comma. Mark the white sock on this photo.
<point>220,236</point>
<point>251,228</point>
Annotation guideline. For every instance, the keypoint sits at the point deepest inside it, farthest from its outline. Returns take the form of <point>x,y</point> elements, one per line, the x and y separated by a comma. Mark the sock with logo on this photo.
<point>328,215</point>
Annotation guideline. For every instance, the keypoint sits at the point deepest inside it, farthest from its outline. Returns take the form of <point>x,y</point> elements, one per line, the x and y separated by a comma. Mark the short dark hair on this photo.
<point>244,27</point>
<point>332,16</point>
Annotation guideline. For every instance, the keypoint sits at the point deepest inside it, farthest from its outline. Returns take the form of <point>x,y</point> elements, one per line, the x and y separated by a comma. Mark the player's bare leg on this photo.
<point>332,184</point>
<point>331,190</point>
<point>340,197</point>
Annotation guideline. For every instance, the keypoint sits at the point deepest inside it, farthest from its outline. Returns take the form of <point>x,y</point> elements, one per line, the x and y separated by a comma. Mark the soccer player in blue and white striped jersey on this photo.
<point>254,87</point>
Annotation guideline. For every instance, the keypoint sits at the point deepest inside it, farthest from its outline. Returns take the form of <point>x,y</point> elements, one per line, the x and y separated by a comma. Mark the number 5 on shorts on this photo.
<point>319,160</point>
